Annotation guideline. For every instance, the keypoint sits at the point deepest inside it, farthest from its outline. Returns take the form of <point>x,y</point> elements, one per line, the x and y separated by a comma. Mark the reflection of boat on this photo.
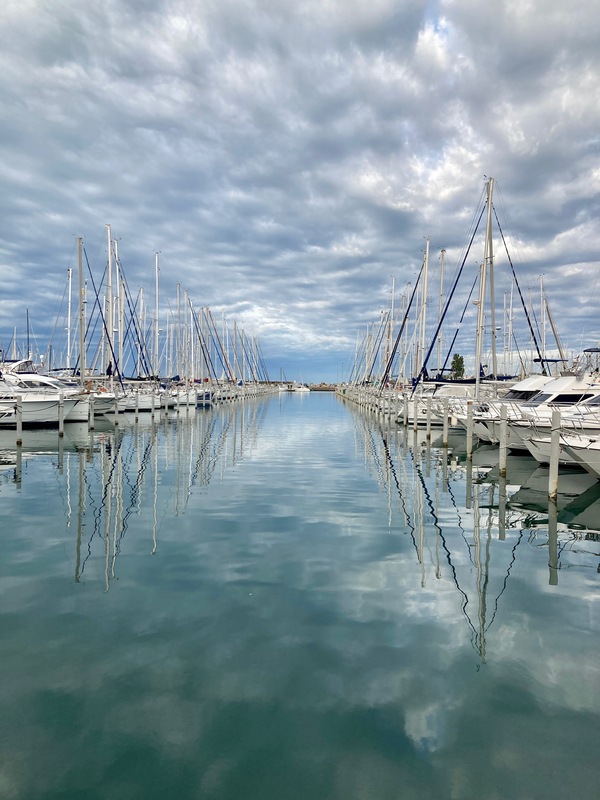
<point>534,494</point>
<point>519,468</point>
<point>77,436</point>
<point>583,511</point>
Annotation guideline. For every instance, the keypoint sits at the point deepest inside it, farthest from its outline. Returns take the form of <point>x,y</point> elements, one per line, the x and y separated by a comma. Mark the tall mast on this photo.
<point>243,358</point>
<point>419,363</point>
<point>489,254</point>
<point>82,365</point>
<point>120,327</point>
<point>156,359</point>
<point>193,370</point>
<point>390,334</point>
<point>440,308</point>
<point>236,365</point>
<point>179,342</point>
<point>487,260</point>
<point>543,318</point>
<point>69,284</point>
<point>142,336</point>
<point>109,301</point>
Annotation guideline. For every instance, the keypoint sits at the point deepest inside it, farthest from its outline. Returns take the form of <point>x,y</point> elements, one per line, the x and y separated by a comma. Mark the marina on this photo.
<point>299,401</point>
<point>293,596</point>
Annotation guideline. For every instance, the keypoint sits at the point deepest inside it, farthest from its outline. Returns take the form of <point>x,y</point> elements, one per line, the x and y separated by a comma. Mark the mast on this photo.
<point>119,328</point>
<point>192,368</point>
<point>489,254</point>
<point>243,359</point>
<point>388,344</point>
<point>156,359</point>
<point>142,337</point>
<point>179,341</point>
<point>561,352</point>
<point>504,342</point>
<point>82,365</point>
<point>236,365</point>
<point>109,301</point>
<point>425,289</point>
<point>440,309</point>
<point>510,326</point>
<point>543,317</point>
<point>69,284</point>
<point>487,261</point>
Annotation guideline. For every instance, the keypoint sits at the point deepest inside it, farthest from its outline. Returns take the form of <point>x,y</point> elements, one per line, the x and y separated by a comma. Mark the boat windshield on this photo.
<point>595,401</point>
<point>516,394</point>
<point>23,366</point>
<point>560,399</point>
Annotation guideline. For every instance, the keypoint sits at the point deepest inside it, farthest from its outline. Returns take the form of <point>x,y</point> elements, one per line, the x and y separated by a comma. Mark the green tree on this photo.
<point>457,367</point>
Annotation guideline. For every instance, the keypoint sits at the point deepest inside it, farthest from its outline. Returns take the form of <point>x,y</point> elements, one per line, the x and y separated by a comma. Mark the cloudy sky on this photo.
<point>289,159</point>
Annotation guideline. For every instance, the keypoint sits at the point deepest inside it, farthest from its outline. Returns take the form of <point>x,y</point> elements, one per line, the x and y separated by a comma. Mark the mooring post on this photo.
<point>91,411</point>
<point>446,420</point>
<point>469,484</point>
<point>469,429</point>
<point>428,418</point>
<point>61,415</point>
<point>554,452</point>
<point>502,455</point>
<point>19,415</point>
<point>19,465</point>
<point>502,508</point>
<point>552,543</point>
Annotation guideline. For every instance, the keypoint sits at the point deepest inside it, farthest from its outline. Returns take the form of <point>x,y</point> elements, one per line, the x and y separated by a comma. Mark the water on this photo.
<point>288,599</point>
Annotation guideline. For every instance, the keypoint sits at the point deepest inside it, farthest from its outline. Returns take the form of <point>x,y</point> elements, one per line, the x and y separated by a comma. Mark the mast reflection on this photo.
<point>144,470</point>
<point>476,537</point>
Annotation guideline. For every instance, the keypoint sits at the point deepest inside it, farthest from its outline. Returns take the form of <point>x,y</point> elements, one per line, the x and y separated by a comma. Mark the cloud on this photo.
<point>288,160</point>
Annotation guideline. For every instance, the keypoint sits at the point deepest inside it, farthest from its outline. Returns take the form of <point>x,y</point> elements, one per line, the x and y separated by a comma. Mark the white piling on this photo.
<point>469,429</point>
<point>19,416</point>
<point>502,508</point>
<point>554,452</point>
<point>91,412</point>
<point>61,415</point>
<point>428,418</point>
<point>503,453</point>
<point>445,428</point>
<point>552,543</point>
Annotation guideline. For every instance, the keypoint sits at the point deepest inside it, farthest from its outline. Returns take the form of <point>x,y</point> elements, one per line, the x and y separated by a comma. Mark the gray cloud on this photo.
<point>288,160</point>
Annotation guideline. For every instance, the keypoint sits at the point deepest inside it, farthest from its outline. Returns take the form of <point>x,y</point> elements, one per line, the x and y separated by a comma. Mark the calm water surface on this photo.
<point>289,599</point>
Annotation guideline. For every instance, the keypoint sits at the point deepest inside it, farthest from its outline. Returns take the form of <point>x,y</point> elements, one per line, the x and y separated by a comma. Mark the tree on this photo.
<point>457,367</point>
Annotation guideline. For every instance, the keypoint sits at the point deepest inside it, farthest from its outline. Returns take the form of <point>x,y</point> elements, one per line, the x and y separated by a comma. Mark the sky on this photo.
<point>289,161</point>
